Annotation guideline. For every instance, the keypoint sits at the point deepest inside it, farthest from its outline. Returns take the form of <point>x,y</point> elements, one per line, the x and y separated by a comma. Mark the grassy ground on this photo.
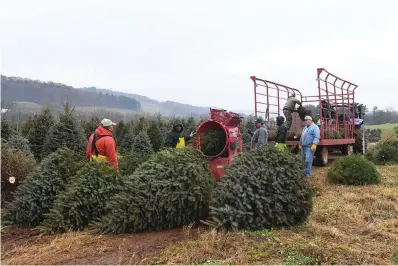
<point>348,225</point>
<point>386,129</point>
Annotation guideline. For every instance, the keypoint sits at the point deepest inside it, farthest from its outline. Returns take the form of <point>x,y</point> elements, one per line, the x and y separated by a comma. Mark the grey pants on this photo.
<point>289,118</point>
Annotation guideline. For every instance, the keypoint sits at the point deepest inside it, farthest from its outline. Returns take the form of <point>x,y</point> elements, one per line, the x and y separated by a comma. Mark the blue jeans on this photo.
<point>307,156</point>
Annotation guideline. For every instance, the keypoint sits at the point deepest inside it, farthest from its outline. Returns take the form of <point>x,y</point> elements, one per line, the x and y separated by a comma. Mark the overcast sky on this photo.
<point>203,52</point>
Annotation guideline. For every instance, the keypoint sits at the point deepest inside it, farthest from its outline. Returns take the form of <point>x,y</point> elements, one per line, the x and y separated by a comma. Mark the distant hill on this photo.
<point>54,94</point>
<point>50,93</point>
<point>149,105</point>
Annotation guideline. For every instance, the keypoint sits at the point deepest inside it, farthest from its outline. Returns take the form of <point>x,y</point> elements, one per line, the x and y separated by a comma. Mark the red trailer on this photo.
<point>338,116</point>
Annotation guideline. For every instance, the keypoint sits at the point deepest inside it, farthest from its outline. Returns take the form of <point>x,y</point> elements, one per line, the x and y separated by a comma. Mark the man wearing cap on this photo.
<point>289,108</point>
<point>308,142</point>
<point>101,145</point>
<point>175,139</point>
<point>260,136</point>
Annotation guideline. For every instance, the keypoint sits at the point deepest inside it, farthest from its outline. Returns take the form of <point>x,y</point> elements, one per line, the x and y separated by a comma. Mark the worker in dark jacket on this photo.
<point>281,136</point>
<point>289,108</point>
<point>175,139</point>
<point>260,136</point>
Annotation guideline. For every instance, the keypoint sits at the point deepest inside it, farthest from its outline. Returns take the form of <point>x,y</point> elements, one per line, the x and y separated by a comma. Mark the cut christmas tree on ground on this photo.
<point>171,189</point>
<point>35,197</point>
<point>262,189</point>
<point>83,199</point>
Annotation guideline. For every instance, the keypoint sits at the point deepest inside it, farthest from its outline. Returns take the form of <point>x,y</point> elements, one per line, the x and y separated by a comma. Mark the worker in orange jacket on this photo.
<point>101,145</point>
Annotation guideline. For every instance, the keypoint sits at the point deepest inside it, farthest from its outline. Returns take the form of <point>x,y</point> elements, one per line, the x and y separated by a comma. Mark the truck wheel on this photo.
<point>347,150</point>
<point>321,156</point>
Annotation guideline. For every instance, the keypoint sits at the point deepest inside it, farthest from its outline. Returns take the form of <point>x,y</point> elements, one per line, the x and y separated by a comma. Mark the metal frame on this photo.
<point>337,94</point>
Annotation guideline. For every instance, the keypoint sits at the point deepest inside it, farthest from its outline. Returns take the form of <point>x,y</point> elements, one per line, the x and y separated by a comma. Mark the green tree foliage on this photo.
<point>353,170</point>
<point>38,132</point>
<point>27,125</point>
<point>6,129</point>
<point>212,142</point>
<point>171,189</point>
<point>374,135</point>
<point>36,195</point>
<point>90,126</point>
<point>140,125</point>
<point>142,143</point>
<point>128,162</point>
<point>250,124</point>
<point>261,189</point>
<point>385,152</point>
<point>19,143</point>
<point>155,135</point>
<point>83,199</point>
<point>118,130</point>
<point>66,132</point>
<point>15,164</point>
<point>126,142</point>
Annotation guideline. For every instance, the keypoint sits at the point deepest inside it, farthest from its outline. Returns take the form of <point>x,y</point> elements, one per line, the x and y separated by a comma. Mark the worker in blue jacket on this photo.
<point>308,142</point>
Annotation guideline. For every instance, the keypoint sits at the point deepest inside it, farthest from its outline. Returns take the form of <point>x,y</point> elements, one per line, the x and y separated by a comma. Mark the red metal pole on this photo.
<point>319,71</point>
<point>255,95</point>
<point>335,105</point>
<point>267,111</point>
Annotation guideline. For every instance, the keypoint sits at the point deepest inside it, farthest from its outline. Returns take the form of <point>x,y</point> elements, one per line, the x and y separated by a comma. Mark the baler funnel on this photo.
<point>212,139</point>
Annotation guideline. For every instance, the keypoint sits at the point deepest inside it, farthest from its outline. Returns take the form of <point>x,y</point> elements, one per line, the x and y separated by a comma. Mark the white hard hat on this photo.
<point>308,118</point>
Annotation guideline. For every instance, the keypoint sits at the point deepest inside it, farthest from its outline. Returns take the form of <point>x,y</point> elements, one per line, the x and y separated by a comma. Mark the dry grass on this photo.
<point>349,225</point>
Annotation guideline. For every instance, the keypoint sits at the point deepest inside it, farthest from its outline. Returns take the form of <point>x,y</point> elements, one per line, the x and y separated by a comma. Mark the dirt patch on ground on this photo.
<point>84,248</point>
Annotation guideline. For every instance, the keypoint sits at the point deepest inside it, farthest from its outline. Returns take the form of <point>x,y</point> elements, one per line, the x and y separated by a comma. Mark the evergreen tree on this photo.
<point>155,135</point>
<point>140,125</point>
<point>66,132</point>
<point>19,143</point>
<point>118,131</point>
<point>36,195</point>
<point>38,132</point>
<point>250,124</point>
<point>27,125</point>
<point>126,139</point>
<point>6,129</point>
<point>142,143</point>
<point>90,126</point>
<point>15,164</point>
<point>83,199</point>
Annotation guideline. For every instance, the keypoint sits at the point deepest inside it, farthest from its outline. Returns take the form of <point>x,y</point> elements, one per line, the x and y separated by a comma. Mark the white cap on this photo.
<point>308,118</point>
<point>107,123</point>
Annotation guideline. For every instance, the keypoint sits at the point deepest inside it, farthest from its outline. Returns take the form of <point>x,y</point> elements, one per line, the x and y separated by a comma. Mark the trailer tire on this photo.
<point>347,150</point>
<point>321,156</point>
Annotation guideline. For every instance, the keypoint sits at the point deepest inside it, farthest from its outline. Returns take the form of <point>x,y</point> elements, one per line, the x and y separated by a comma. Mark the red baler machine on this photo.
<point>226,122</point>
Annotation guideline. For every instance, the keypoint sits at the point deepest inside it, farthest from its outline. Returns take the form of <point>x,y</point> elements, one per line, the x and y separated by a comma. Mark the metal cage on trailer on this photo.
<point>338,115</point>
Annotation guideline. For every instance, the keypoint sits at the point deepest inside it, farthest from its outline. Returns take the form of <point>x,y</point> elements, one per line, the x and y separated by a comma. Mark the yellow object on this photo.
<point>100,158</point>
<point>313,147</point>
<point>282,147</point>
<point>181,143</point>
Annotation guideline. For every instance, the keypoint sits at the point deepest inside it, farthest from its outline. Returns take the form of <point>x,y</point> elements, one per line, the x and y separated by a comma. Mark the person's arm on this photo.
<point>254,139</point>
<point>110,149</point>
<point>297,101</point>
<point>317,135</point>
<point>88,149</point>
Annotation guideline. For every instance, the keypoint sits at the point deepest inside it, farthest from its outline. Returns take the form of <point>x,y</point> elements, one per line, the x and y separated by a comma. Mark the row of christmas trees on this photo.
<point>43,133</point>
